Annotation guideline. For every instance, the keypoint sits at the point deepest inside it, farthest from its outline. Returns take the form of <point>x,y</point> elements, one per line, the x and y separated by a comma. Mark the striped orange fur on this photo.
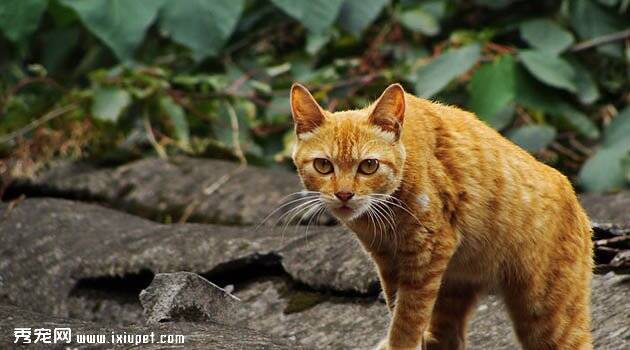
<point>453,211</point>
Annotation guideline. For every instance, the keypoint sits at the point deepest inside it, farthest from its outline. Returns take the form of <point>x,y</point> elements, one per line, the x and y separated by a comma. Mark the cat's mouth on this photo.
<point>346,212</point>
<point>345,209</point>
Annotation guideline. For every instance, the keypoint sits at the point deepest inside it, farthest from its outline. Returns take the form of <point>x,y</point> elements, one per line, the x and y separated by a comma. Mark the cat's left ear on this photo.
<point>389,110</point>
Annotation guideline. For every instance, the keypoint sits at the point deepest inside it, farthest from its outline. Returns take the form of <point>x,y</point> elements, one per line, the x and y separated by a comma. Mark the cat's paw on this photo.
<point>382,345</point>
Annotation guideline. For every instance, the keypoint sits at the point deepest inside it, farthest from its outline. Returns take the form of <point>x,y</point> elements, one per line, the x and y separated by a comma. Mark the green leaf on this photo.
<point>316,41</point>
<point>546,35</point>
<point>619,129</point>
<point>607,169</point>
<point>356,15</point>
<point>433,77</point>
<point>492,90</point>
<point>120,24</point>
<point>549,69</point>
<point>20,18</point>
<point>420,21</point>
<point>178,119</point>
<point>202,26</point>
<point>590,20</point>
<point>109,102</point>
<point>603,172</point>
<point>576,120</point>
<point>315,15</point>
<point>436,8</point>
<point>533,138</point>
<point>534,95</point>
<point>587,90</point>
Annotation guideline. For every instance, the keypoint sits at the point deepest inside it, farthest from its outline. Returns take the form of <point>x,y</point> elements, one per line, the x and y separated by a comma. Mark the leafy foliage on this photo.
<point>546,35</point>
<point>20,18</point>
<point>109,21</point>
<point>109,79</point>
<point>200,25</point>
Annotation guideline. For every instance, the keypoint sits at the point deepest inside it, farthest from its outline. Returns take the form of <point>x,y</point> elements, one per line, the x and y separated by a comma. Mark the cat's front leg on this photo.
<point>417,289</point>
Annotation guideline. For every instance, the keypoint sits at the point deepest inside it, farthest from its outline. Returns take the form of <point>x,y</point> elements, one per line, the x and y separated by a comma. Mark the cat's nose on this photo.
<point>344,196</point>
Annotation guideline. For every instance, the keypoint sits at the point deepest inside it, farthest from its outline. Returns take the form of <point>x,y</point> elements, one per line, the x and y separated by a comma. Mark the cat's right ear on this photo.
<point>307,114</point>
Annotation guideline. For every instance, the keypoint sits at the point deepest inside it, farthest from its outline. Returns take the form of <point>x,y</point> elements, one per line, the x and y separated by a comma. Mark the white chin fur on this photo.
<point>356,213</point>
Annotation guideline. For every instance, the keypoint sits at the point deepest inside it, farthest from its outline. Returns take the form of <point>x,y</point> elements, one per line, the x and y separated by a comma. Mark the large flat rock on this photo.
<point>202,336</point>
<point>49,245</point>
<point>324,297</point>
<point>210,191</point>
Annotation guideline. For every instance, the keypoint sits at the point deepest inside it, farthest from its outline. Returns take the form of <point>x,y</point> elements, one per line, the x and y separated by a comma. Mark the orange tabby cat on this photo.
<point>449,209</point>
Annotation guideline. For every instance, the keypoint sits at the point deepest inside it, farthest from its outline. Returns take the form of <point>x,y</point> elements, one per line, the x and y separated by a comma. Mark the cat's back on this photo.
<point>469,148</point>
<point>495,182</point>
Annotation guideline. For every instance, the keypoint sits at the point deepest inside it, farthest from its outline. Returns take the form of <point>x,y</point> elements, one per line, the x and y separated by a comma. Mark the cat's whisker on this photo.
<point>381,209</point>
<point>381,225</point>
<point>378,224</point>
<point>395,202</point>
<point>369,213</point>
<point>294,212</point>
<point>305,195</point>
<point>311,212</point>
<point>387,213</point>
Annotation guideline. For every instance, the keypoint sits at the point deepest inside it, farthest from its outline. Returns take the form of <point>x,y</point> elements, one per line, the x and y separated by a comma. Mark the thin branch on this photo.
<point>601,40</point>
<point>567,152</point>
<point>37,122</point>
<point>158,148</point>
<point>235,134</point>
<point>579,146</point>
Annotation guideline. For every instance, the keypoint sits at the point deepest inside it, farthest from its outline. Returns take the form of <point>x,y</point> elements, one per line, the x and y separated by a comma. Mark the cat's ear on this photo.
<point>389,110</point>
<point>307,114</point>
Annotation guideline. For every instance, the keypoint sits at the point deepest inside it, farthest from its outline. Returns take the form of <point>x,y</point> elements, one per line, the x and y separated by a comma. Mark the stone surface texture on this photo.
<point>60,258</point>
<point>186,296</point>
<point>93,266</point>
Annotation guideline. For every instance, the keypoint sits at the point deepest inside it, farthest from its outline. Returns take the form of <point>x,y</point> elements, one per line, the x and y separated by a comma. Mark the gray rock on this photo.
<point>48,245</point>
<point>165,190</point>
<point>185,296</point>
<point>332,323</point>
<point>331,258</point>
<point>206,336</point>
<point>607,207</point>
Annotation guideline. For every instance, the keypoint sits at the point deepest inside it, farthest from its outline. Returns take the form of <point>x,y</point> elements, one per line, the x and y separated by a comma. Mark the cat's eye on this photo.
<point>368,166</point>
<point>323,166</point>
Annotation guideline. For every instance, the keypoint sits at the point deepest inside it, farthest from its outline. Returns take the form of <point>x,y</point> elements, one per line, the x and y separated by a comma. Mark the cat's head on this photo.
<point>352,159</point>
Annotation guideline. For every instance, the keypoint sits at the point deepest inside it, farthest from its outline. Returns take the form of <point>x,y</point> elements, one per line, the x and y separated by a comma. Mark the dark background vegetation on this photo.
<point>114,80</point>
